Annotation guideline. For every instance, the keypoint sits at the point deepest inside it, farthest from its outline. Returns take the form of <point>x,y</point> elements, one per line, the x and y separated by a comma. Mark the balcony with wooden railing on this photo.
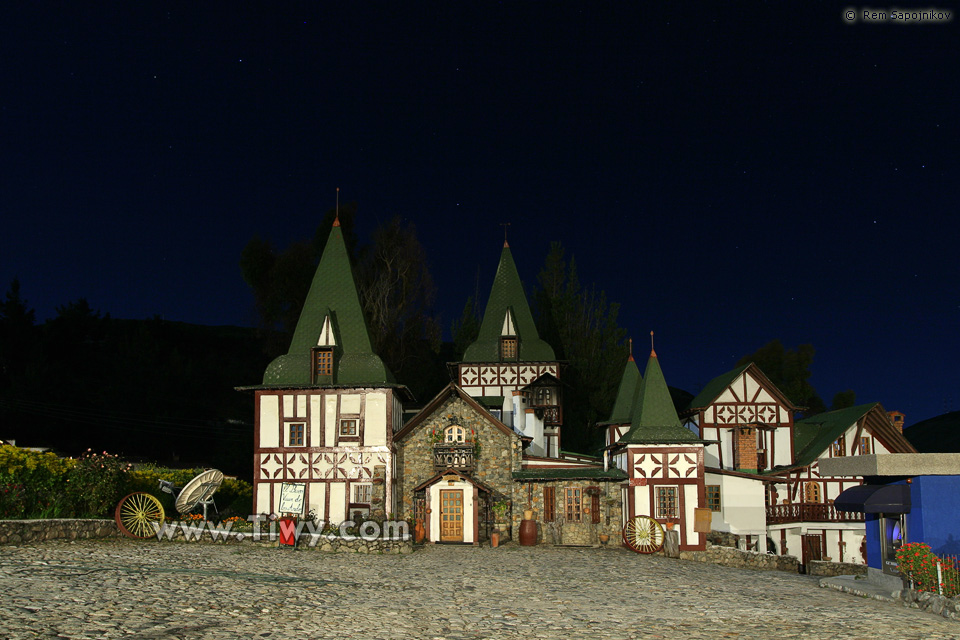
<point>449,455</point>
<point>809,512</point>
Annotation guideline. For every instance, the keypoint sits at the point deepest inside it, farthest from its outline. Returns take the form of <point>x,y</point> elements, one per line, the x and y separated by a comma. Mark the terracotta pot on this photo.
<point>495,539</point>
<point>528,514</point>
<point>670,525</point>
<point>604,538</point>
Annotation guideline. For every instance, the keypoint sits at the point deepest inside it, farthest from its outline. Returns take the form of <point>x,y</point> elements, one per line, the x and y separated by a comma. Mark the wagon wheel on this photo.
<point>136,514</point>
<point>643,534</point>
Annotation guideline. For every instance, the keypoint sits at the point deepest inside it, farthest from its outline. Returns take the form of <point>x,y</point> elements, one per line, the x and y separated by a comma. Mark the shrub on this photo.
<point>917,562</point>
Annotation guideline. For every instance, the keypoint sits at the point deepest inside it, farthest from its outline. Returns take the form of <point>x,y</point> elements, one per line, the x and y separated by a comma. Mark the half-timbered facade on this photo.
<point>663,461</point>
<point>327,410</point>
<point>762,479</point>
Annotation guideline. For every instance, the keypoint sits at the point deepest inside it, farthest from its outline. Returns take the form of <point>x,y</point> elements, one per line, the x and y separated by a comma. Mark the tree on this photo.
<point>466,329</point>
<point>582,327</point>
<point>790,371</point>
<point>18,335</point>
<point>843,400</point>
<point>396,291</point>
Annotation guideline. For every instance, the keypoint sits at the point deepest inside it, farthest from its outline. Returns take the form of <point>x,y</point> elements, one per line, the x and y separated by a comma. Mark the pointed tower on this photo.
<point>621,415</point>
<point>500,368</point>
<point>663,461</point>
<point>331,344</point>
<point>327,409</point>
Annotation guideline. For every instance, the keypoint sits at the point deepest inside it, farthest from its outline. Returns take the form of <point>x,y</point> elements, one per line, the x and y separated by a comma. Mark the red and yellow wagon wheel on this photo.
<point>137,514</point>
<point>643,534</point>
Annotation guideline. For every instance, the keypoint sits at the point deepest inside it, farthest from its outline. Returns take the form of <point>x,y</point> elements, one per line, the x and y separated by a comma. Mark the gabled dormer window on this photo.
<point>508,348</point>
<point>321,357</point>
<point>322,365</point>
<point>509,344</point>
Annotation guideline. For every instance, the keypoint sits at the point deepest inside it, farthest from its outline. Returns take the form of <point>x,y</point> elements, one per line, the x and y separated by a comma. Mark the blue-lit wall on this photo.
<point>934,517</point>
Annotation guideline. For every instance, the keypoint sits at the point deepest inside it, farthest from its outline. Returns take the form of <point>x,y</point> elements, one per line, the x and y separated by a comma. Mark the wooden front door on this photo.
<point>812,548</point>
<point>451,515</point>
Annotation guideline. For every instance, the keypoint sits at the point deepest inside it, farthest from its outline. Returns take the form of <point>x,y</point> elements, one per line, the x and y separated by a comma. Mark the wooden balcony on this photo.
<point>803,512</point>
<point>454,456</point>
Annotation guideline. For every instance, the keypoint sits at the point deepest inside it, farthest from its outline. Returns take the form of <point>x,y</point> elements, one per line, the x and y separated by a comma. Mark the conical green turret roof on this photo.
<point>507,295</point>
<point>627,394</point>
<point>655,419</point>
<point>333,294</point>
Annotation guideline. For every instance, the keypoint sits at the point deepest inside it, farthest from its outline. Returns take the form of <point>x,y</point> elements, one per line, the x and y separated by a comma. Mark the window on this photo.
<point>574,504</point>
<point>863,447</point>
<point>508,348</point>
<point>322,363</point>
<point>295,438</point>
<point>713,497</point>
<point>666,502</point>
<point>362,493</point>
<point>348,427</point>
<point>549,504</point>
<point>544,396</point>
<point>840,447</point>
<point>811,492</point>
<point>453,434</point>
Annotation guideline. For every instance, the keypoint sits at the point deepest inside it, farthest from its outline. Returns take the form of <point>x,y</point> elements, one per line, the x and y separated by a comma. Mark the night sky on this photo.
<point>729,175</point>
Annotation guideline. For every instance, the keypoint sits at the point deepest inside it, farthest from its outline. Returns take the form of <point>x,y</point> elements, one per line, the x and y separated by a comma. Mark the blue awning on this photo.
<point>875,498</point>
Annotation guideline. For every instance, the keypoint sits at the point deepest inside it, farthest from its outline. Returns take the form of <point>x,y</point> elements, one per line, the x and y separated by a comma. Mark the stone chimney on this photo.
<point>897,419</point>
<point>745,448</point>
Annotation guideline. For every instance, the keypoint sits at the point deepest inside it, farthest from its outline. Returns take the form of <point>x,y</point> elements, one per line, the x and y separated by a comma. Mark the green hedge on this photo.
<point>41,485</point>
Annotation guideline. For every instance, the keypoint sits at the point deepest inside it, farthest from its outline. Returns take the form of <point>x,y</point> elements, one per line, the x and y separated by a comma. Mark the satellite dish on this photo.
<point>199,491</point>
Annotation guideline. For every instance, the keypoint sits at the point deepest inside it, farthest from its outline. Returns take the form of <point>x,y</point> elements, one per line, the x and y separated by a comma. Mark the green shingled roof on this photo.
<point>334,293</point>
<point>507,293</point>
<point>812,436</point>
<point>715,387</point>
<point>655,419</point>
<point>585,473</point>
<point>627,394</point>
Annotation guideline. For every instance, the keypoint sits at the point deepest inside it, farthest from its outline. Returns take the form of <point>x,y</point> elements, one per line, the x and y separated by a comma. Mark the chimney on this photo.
<point>897,419</point>
<point>745,448</point>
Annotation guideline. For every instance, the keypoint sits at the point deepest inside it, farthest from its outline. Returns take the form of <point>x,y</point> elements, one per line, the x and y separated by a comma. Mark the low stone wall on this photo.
<point>24,531</point>
<point>730,557</point>
<point>829,569</point>
<point>931,602</point>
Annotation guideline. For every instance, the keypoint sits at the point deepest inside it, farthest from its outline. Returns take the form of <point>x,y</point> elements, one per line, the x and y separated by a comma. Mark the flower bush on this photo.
<point>918,563</point>
<point>42,485</point>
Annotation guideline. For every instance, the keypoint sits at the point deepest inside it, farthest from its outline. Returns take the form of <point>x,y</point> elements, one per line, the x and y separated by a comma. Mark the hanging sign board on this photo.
<point>291,498</point>
<point>702,518</point>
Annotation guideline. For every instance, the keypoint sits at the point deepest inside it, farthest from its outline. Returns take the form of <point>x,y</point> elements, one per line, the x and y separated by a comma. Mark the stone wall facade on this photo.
<point>830,569</point>
<point>24,531</point>
<point>730,557</point>
<point>499,453</point>
<point>530,495</point>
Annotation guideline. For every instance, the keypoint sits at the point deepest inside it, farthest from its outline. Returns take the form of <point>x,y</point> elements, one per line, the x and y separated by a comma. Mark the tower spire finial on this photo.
<point>653,353</point>
<point>336,220</point>
<point>505,225</point>
<point>630,340</point>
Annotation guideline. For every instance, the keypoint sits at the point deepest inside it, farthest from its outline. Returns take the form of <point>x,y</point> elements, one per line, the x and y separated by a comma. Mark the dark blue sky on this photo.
<point>729,175</point>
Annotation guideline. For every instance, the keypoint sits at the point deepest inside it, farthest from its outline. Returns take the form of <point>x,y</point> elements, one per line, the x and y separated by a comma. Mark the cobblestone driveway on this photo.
<point>119,588</point>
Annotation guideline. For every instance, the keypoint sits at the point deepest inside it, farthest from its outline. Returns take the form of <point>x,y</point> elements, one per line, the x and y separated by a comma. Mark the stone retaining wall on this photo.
<point>940,605</point>
<point>730,557</point>
<point>23,531</point>
<point>830,569</point>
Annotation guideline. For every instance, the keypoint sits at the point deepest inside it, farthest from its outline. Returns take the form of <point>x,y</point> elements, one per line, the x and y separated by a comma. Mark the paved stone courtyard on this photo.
<point>122,588</point>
